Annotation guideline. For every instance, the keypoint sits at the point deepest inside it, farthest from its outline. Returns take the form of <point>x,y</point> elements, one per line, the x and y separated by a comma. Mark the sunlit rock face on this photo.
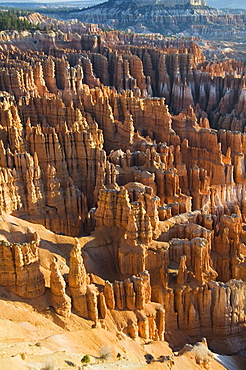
<point>137,147</point>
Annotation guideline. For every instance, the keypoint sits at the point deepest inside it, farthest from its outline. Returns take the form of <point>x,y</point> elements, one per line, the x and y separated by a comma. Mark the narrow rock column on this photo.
<point>77,280</point>
<point>60,300</point>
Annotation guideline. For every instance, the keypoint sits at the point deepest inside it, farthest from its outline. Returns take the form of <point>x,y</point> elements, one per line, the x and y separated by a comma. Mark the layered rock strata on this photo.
<point>20,269</point>
<point>85,147</point>
<point>60,301</point>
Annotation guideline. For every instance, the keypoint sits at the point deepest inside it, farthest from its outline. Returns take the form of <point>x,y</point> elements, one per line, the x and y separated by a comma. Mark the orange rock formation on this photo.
<point>85,147</point>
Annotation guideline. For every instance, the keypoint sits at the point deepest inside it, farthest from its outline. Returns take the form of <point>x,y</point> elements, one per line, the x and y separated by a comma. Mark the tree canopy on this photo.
<point>13,20</point>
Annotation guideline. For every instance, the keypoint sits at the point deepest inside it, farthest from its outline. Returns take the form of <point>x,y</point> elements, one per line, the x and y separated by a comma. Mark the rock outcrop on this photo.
<point>78,280</point>
<point>157,16</point>
<point>60,301</point>
<point>84,147</point>
<point>20,269</point>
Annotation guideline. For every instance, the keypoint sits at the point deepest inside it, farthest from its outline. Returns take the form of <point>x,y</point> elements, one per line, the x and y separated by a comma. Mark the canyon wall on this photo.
<point>142,143</point>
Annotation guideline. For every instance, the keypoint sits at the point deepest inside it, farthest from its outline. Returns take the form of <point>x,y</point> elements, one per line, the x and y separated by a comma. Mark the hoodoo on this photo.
<point>122,200</point>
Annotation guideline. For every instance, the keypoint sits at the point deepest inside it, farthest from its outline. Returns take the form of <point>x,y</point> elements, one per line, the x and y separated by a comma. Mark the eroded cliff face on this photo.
<point>20,269</point>
<point>167,18</point>
<point>85,147</point>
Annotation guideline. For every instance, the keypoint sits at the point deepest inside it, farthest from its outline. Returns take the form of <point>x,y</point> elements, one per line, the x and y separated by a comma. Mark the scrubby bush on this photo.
<point>85,359</point>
